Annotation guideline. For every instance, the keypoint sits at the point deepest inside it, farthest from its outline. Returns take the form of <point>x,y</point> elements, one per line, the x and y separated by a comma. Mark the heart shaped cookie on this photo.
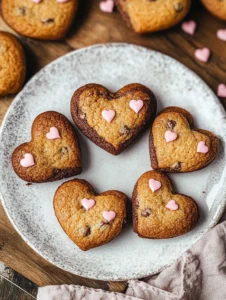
<point>160,213</point>
<point>52,154</point>
<point>151,15</point>
<point>177,146</point>
<point>90,220</point>
<point>112,120</point>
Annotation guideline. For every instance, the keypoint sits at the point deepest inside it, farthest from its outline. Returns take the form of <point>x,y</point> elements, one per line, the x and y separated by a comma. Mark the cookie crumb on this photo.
<point>28,183</point>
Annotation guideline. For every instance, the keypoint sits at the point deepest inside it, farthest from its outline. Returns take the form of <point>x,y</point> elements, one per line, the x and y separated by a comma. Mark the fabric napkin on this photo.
<point>200,274</point>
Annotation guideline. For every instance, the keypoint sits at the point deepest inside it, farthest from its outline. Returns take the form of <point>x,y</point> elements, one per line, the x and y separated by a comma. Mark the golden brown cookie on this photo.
<point>112,120</point>
<point>90,220</point>
<point>12,64</point>
<point>159,213</point>
<point>40,19</point>
<point>53,152</point>
<point>216,7</point>
<point>153,15</point>
<point>177,146</point>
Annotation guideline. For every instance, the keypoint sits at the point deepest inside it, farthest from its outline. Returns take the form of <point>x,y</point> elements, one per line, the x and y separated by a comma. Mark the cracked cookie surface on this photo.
<point>112,120</point>
<point>153,15</point>
<point>52,154</point>
<point>89,219</point>
<point>47,20</point>
<point>158,212</point>
<point>12,64</point>
<point>177,146</point>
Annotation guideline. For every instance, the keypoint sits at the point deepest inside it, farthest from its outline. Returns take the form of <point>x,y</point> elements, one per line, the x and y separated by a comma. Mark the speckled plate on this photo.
<point>30,208</point>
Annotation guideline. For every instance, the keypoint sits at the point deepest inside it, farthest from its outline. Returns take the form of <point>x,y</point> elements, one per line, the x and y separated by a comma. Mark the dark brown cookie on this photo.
<point>159,213</point>
<point>112,120</point>
<point>177,146</point>
<point>53,152</point>
<point>90,220</point>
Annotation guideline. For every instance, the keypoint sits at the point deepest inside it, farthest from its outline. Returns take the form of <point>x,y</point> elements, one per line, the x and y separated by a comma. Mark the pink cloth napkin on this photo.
<point>200,274</point>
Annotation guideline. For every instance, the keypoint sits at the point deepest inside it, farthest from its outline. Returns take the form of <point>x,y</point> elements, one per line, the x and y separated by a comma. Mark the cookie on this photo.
<point>153,15</point>
<point>90,220</point>
<point>53,152</point>
<point>177,146</point>
<point>159,213</point>
<point>13,64</point>
<point>40,19</point>
<point>112,120</point>
<point>216,7</point>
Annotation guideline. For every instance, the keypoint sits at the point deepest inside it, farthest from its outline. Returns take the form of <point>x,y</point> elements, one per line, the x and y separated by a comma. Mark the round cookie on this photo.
<point>216,7</point>
<point>13,64</point>
<point>40,19</point>
<point>153,15</point>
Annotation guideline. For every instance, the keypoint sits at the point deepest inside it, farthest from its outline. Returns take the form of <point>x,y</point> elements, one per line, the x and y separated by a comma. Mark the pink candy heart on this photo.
<point>202,54</point>
<point>221,91</point>
<point>170,136</point>
<point>27,160</point>
<point>154,185</point>
<point>88,203</point>
<point>109,215</point>
<point>221,34</point>
<point>108,115</point>
<point>53,134</point>
<point>172,205</point>
<point>189,27</point>
<point>136,105</point>
<point>107,6</point>
<point>202,148</point>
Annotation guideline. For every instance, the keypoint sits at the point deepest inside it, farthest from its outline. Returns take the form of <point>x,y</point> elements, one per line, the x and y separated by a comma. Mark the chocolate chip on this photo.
<point>48,21</point>
<point>176,166</point>
<point>85,231</point>
<point>64,150</point>
<point>22,10</point>
<point>170,124</point>
<point>178,7</point>
<point>146,212</point>
<point>124,130</point>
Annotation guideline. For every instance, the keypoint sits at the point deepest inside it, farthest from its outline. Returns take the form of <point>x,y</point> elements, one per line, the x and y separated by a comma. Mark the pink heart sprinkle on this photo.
<point>202,148</point>
<point>108,115</point>
<point>154,185</point>
<point>189,27</point>
<point>172,205</point>
<point>88,203</point>
<point>221,34</point>
<point>27,160</point>
<point>107,6</point>
<point>109,215</point>
<point>170,136</point>
<point>203,54</point>
<point>53,134</point>
<point>136,105</point>
<point>36,1</point>
<point>221,91</point>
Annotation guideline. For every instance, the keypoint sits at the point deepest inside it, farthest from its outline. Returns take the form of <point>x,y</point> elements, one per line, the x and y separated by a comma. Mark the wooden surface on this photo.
<point>90,27</point>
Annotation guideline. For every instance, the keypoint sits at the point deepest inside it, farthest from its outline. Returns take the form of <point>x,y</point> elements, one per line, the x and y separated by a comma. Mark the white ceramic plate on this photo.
<point>30,208</point>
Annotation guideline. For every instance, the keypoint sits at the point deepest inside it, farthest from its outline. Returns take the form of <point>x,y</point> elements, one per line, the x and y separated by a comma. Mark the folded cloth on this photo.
<point>200,274</point>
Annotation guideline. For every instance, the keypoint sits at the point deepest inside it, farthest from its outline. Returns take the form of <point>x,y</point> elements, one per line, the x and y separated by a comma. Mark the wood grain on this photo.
<point>92,26</point>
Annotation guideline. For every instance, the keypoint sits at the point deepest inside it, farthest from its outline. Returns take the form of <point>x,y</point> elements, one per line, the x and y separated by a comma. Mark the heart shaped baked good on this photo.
<point>152,15</point>
<point>177,146</point>
<point>112,120</point>
<point>159,213</point>
<point>45,20</point>
<point>52,154</point>
<point>90,220</point>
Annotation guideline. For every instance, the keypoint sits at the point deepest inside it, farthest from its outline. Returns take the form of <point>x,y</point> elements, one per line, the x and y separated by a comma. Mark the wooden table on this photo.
<point>91,27</point>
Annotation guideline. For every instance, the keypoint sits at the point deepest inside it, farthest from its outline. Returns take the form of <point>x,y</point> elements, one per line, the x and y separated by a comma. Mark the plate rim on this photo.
<point>77,272</point>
